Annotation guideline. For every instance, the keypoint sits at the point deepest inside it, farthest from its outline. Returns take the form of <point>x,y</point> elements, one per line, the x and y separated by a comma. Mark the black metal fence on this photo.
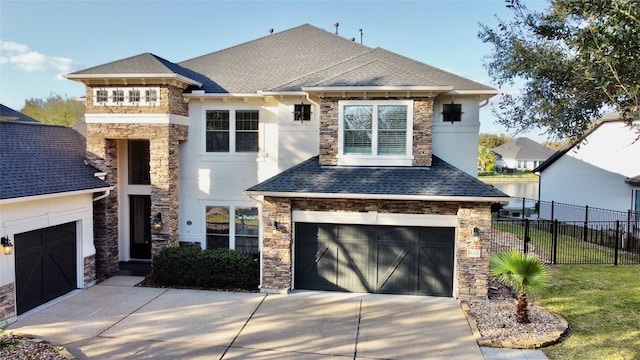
<point>569,242</point>
<point>551,210</point>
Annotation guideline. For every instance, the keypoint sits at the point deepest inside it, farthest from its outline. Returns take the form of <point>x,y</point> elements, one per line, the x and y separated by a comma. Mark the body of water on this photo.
<point>527,190</point>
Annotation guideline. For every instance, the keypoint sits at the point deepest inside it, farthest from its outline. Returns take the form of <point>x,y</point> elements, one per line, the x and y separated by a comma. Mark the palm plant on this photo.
<point>523,272</point>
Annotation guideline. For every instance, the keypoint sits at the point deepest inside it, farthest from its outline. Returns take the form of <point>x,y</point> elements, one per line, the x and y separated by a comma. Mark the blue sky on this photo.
<point>41,40</point>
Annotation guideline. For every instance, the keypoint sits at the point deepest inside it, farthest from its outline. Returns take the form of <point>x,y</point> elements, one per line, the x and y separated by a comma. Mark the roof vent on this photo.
<point>270,31</point>
<point>360,36</point>
<point>336,25</point>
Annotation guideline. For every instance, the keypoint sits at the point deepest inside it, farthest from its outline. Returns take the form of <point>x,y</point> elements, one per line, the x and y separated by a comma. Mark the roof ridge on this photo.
<point>111,62</point>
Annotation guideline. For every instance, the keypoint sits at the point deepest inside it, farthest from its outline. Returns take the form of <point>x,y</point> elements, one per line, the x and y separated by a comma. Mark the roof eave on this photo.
<point>115,79</point>
<point>54,195</point>
<point>380,196</point>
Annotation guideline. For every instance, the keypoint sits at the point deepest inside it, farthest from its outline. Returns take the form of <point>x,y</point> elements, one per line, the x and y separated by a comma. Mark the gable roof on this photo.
<point>523,149</point>
<point>304,56</point>
<point>8,114</point>
<point>38,159</point>
<point>609,117</point>
<point>144,65</point>
<point>440,182</point>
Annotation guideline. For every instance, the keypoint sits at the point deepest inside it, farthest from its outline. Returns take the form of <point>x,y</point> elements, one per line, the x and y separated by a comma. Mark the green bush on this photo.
<point>208,269</point>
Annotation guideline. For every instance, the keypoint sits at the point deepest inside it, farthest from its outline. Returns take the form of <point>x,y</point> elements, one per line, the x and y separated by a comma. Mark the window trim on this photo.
<point>374,159</point>
<point>126,101</point>
<point>232,131</point>
<point>232,225</point>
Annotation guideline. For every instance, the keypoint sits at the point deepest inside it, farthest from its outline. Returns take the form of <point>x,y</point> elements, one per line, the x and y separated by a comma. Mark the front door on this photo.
<point>140,226</point>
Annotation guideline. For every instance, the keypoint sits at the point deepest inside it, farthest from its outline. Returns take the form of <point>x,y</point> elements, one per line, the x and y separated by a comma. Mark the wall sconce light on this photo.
<point>274,227</point>
<point>156,222</point>
<point>476,234</point>
<point>7,245</point>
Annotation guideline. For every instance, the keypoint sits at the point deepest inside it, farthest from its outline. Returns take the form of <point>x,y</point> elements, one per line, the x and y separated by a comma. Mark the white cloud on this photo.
<point>32,61</point>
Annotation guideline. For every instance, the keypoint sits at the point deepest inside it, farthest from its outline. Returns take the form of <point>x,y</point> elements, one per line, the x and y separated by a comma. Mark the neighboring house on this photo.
<point>346,167</point>
<point>600,170</point>
<point>521,154</point>
<point>46,211</point>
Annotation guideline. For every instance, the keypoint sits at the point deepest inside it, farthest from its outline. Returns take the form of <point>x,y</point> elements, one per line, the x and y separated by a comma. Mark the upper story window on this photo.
<point>451,112</point>
<point>231,131</point>
<point>375,132</point>
<point>134,95</point>
<point>102,96</point>
<point>302,112</point>
<point>126,96</point>
<point>117,96</point>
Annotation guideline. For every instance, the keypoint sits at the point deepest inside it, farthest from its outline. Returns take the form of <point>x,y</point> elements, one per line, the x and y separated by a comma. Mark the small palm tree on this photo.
<point>524,272</point>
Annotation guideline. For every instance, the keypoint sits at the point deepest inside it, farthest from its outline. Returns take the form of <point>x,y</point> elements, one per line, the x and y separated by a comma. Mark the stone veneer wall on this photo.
<point>171,102</point>
<point>89,270</point>
<point>471,273</point>
<point>7,303</point>
<point>102,150</point>
<point>422,130</point>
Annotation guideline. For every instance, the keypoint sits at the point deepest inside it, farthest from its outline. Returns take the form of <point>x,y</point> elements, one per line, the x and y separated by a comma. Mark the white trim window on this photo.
<point>126,96</point>
<point>240,232</point>
<point>375,132</point>
<point>231,131</point>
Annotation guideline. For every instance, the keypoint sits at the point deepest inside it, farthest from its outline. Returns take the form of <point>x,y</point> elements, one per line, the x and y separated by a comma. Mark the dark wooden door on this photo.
<point>140,226</point>
<point>376,259</point>
<point>45,265</point>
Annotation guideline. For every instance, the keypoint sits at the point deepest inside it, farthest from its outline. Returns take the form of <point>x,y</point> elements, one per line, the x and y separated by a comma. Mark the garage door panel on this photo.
<point>45,265</point>
<point>382,259</point>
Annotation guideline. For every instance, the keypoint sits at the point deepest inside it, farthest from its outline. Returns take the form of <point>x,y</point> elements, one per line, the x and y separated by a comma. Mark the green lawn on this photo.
<point>601,304</point>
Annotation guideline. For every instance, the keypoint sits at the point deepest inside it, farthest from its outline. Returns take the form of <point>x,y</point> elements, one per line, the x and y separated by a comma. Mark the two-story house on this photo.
<point>346,167</point>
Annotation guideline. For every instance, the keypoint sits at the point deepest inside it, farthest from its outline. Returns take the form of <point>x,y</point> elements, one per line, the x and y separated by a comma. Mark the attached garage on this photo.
<point>375,259</point>
<point>45,265</point>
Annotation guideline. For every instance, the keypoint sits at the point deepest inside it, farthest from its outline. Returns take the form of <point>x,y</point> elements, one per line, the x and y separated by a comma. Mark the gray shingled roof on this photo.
<point>309,56</point>
<point>37,159</point>
<point>13,115</point>
<point>523,149</point>
<point>146,63</point>
<point>440,180</point>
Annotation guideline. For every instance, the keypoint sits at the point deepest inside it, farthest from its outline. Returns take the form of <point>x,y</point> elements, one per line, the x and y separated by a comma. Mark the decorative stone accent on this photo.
<point>422,131</point>
<point>471,273</point>
<point>276,245</point>
<point>89,271</point>
<point>102,150</point>
<point>7,303</point>
<point>171,102</point>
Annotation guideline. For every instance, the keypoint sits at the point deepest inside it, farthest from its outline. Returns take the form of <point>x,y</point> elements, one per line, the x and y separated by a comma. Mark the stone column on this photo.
<point>422,131</point>
<point>473,272</point>
<point>276,245</point>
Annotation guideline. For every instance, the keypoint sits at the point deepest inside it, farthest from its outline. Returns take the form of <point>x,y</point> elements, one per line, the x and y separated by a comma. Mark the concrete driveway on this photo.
<point>115,320</point>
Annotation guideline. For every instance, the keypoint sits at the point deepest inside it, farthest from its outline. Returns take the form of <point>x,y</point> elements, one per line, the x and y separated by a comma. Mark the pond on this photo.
<point>522,189</point>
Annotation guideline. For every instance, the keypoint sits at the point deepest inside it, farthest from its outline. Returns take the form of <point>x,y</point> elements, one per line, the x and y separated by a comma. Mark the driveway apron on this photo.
<point>114,320</point>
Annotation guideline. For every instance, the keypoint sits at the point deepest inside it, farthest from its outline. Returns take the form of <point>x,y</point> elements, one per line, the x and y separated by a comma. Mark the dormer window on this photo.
<point>375,133</point>
<point>451,112</point>
<point>302,112</point>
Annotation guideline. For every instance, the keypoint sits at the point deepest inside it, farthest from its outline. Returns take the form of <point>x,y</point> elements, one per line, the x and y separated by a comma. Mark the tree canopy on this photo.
<point>492,140</point>
<point>55,109</point>
<point>578,60</point>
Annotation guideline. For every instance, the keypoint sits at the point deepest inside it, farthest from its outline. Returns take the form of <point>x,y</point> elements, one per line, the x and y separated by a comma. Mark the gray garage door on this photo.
<point>374,259</point>
<point>45,265</point>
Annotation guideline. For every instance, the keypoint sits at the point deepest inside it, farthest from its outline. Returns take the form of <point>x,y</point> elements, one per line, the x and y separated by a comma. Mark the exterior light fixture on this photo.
<point>274,228</point>
<point>156,222</point>
<point>476,234</point>
<point>7,245</point>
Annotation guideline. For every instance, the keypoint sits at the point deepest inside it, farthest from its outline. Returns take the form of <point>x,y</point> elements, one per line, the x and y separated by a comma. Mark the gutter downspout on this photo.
<point>486,102</point>
<point>106,193</point>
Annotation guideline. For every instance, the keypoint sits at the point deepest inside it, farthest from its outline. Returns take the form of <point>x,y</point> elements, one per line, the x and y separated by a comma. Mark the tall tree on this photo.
<point>486,159</point>
<point>578,59</point>
<point>55,109</point>
<point>493,140</point>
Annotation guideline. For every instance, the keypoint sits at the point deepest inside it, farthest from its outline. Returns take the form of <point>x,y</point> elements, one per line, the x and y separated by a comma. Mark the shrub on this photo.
<point>209,269</point>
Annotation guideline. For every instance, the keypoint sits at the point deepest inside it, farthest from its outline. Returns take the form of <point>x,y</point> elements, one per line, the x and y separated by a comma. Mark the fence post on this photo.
<point>586,221</point>
<point>527,238</point>
<point>615,259</point>
<point>523,199</point>
<point>554,241</point>
<point>553,203</point>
